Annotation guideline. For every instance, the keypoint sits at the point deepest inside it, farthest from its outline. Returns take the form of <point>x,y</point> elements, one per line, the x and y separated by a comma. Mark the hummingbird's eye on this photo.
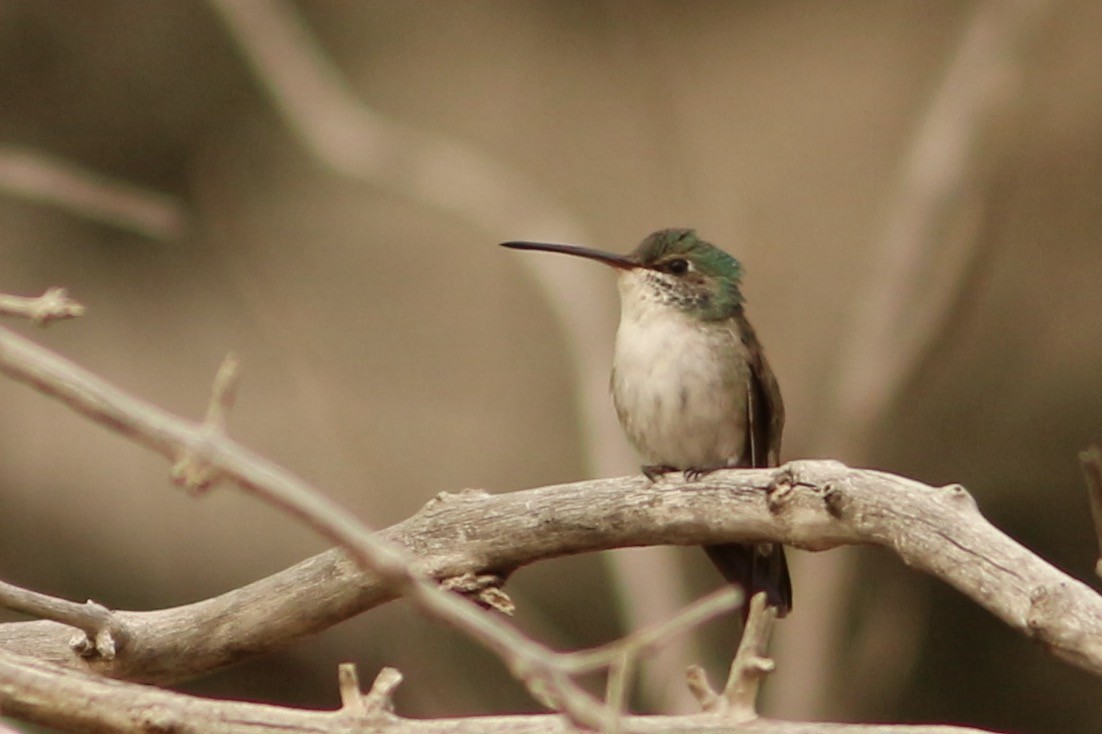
<point>677,266</point>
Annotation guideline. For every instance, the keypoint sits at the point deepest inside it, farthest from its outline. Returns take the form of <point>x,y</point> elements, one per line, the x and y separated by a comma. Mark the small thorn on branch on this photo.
<point>701,688</point>
<point>380,699</point>
<point>957,493</point>
<point>190,471</point>
<point>53,305</point>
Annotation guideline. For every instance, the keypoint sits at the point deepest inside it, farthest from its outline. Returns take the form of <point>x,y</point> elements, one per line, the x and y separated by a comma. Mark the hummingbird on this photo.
<point>690,382</point>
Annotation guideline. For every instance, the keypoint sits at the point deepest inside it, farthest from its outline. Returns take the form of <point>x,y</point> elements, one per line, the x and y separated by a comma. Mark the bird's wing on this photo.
<point>765,407</point>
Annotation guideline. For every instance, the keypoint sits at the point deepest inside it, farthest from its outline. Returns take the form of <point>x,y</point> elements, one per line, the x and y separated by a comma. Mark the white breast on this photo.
<point>679,404</point>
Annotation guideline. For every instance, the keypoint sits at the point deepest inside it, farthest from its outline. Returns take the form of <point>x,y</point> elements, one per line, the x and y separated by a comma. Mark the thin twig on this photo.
<point>621,657</point>
<point>101,631</point>
<point>696,678</point>
<point>39,177</point>
<point>53,305</point>
<point>650,638</point>
<point>620,674</point>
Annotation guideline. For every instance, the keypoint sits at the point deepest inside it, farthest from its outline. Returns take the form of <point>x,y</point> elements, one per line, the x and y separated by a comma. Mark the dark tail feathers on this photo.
<point>754,568</point>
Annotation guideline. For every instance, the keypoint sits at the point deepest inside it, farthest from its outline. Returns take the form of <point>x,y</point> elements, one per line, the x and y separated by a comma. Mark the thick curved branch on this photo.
<point>938,531</point>
<point>36,691</point>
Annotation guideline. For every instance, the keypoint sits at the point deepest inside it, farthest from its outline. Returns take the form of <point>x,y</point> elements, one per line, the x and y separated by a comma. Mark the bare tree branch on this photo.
<point>936,530</point>
<point>39,177</point>
<point>44,693</point>
<point>809,504</point>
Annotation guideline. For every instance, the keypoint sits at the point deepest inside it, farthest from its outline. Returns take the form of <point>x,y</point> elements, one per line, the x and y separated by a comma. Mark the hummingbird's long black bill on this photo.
<point>621,262</point>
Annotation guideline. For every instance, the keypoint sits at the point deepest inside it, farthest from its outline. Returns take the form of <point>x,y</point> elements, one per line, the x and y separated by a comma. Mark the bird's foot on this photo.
<point>696,472</point>
<point>654,472</point>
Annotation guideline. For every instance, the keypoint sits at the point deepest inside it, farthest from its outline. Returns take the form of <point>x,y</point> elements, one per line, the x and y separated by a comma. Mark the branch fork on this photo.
<point>100,632</point>
<point>375,706</point>
<point>750,666</point>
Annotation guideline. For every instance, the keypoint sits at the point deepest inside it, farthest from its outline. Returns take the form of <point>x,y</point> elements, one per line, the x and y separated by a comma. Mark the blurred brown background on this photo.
<point>392,351</point>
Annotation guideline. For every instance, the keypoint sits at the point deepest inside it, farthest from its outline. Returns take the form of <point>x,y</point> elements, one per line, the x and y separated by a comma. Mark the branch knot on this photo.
<point>485,589</point>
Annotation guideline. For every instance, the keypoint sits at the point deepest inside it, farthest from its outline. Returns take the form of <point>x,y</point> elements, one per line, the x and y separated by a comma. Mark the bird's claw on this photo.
<point>694,473</point>
<point>654,472</point>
